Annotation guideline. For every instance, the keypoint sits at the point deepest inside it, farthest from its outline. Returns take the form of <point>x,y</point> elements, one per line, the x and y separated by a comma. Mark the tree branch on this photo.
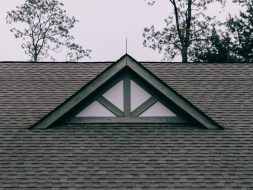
<point>188,23</point>
<point>177,22</point>
<point>198,39</point>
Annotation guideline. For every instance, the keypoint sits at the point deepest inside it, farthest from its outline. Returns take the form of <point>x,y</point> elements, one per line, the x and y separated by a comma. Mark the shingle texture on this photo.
<point>129,157</point>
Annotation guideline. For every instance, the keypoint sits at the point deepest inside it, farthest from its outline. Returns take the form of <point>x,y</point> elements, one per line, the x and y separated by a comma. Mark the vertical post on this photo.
<point>127,96</point>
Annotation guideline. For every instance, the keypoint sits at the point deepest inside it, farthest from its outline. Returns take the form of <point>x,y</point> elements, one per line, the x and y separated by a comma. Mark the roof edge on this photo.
<point>173,95</point>
<point>123,62</point>
<point>77,97</point>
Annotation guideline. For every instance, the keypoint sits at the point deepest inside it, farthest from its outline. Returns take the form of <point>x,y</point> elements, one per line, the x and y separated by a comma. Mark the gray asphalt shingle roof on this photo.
<point>132,156</point>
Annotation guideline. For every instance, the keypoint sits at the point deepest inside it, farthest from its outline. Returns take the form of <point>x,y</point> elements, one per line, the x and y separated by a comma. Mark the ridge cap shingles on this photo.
<point>83,62</point>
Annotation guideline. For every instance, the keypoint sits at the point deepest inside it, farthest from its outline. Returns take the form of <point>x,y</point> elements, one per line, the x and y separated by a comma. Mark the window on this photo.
<point>126,99</point>
<point>126,92</point>
<point>116,102</point>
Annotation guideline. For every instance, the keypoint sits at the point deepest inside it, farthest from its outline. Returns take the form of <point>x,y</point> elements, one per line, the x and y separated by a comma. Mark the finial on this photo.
<point>126,45</point>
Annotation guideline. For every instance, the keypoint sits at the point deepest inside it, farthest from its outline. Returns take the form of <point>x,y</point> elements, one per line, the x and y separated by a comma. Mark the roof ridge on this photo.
<point>86,62</point>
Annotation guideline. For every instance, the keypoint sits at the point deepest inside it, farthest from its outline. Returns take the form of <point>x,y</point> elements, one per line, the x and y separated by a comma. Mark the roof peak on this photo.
<point>129,63</point>
<point>126,56</point>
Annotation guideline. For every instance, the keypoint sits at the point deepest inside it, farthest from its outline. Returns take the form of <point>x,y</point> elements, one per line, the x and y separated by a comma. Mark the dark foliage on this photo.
<point>234,45</point>
<point>187,29</point>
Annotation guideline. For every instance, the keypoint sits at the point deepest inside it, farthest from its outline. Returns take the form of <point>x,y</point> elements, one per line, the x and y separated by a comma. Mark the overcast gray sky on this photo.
<point>104,25</point>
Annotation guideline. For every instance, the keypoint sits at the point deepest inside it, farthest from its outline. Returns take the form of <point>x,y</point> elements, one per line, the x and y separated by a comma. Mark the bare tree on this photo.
<point>45,28</point>
<point>186,28</point>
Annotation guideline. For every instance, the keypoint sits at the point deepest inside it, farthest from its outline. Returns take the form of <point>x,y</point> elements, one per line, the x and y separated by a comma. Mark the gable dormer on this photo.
<point>126,92</point>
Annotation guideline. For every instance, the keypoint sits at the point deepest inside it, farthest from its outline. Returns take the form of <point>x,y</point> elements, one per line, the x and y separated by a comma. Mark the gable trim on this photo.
<point>76,98</point>
<point>128,120</point>
<point>126,62</point>
<point>143,107</point>
<point>171,94</point>
<point>131,114</point>
<point>110,106</point>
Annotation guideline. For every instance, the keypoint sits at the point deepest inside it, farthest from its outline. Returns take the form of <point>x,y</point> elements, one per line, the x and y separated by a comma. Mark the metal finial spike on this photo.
<point>126,45</point>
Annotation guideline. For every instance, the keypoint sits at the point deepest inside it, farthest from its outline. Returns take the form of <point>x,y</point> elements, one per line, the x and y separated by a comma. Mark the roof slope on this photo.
<point>134,156</point>
<point>125,64</point>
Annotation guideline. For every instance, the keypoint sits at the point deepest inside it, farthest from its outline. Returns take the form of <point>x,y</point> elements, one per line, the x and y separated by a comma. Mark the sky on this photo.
<point>104,26</point>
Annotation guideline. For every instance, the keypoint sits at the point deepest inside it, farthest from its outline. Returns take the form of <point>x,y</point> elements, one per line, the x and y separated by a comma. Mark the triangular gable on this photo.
<point>125,63</point>
<point>129,98</point>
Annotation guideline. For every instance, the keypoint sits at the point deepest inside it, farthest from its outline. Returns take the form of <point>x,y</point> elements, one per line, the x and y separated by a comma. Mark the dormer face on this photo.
<point>126,93</point>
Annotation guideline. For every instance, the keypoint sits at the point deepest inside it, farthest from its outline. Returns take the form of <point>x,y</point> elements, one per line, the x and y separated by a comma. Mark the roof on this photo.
<point>126,64</point>
<point>132,156</point>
